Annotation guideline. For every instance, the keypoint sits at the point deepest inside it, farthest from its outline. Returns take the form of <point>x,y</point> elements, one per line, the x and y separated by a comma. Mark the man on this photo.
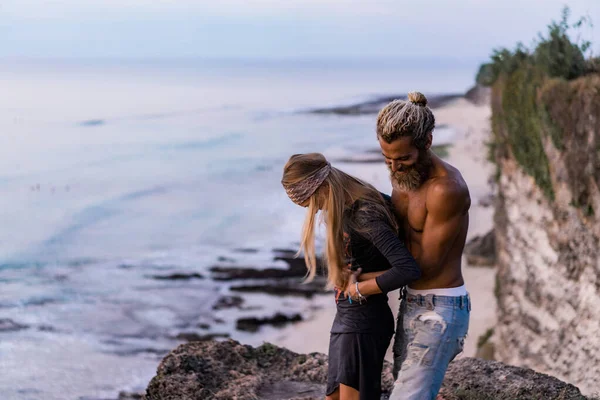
<point>432,201</point>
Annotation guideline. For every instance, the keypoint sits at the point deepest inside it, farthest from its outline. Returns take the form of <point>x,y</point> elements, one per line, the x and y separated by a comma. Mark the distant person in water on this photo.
<point>361,234</point>
<point>431,199</point>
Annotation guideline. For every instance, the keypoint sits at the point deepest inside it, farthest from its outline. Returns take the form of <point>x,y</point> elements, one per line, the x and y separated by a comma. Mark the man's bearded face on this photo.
<point>411,177</point>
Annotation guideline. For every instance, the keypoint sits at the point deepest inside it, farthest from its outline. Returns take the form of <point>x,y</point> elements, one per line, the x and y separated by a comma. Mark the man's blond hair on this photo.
<point>409,117</point>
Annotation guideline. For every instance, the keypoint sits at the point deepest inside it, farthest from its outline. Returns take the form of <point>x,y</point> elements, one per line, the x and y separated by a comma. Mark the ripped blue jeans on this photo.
<point>431,331</point>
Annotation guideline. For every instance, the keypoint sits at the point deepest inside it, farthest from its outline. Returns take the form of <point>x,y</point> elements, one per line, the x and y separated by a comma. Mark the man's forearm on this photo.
<point>369,287</point>
<point>369,275</point>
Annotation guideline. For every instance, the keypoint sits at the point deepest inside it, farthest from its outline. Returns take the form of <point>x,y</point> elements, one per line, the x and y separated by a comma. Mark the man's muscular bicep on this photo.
<point>447,204</point>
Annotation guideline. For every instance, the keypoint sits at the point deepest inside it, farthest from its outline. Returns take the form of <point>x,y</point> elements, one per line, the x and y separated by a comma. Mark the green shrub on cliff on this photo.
<point>556,55</point>
<point>503,61</point>
<point>520,120</point>
<point>524,128</point>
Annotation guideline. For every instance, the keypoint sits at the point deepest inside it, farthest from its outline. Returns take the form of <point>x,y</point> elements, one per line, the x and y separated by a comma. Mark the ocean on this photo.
<point>115,173</point>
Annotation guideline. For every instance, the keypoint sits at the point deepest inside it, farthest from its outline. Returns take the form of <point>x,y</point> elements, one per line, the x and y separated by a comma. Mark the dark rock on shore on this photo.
<point>8,325</point>
<point>46,328</point>
<point>296,268</point>
<point>194,337</point>
<point>295,263</point>
<point>178,276</point>
<point>246,250</point>
<point>228,302</point>
<point>130,396</point>
<point>285,287</point>
<point>481,250</point>
<point>253,324</point>
<point>234,273</point>
<point>373,106</point>
<point>228,370</point>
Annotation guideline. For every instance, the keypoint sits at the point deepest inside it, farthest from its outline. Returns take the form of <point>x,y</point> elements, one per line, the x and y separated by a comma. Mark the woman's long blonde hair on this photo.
<point>336,195</point>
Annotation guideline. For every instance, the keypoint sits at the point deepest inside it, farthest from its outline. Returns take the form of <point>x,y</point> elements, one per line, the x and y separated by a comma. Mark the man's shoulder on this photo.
<point>449,193</point>
<point>448,181</point>
<point>447,185</point>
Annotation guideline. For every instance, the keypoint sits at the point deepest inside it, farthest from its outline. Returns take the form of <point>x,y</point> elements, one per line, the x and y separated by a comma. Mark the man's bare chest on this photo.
<point>411,210</point>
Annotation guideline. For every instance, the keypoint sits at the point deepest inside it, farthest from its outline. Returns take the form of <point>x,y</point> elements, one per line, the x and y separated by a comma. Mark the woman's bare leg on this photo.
<point>348,393</point>
<point>334,396</point>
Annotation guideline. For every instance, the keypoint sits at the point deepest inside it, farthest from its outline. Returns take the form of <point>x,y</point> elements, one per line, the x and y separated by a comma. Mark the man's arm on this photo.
<point>367,283</point>
<point>404,268</point>
<point>370,275</point>
<point>447,203</point>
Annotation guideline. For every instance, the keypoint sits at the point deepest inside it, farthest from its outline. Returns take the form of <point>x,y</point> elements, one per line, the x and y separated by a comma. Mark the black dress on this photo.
<point>361,333</point>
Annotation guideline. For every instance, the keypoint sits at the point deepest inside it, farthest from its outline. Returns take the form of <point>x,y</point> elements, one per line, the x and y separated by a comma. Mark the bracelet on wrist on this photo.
<point>360,296</point>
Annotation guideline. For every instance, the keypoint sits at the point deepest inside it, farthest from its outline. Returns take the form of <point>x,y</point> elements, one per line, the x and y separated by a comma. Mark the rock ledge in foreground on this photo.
<point>228,370</point>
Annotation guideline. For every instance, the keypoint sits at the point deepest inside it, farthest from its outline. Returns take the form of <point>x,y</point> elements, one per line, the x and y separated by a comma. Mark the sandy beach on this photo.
<point>470,125</point>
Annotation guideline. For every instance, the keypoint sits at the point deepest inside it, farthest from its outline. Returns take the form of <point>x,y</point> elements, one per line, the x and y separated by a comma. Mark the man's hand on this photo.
<point>350,290</point>
<point>366,288</point>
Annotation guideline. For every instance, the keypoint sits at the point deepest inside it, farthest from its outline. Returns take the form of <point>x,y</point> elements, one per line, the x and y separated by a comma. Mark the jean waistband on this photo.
<point>431,300</point>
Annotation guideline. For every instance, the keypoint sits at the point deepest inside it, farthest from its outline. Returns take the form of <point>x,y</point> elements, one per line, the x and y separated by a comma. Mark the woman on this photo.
<point>361,233</point>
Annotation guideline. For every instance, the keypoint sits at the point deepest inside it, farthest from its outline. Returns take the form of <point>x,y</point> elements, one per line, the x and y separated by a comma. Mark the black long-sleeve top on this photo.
<point>373,245</point>
<point>378,247</point>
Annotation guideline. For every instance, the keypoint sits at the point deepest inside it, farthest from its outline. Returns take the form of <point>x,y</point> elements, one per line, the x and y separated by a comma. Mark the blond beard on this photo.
<point>406,181</point>
<point>413,177</point>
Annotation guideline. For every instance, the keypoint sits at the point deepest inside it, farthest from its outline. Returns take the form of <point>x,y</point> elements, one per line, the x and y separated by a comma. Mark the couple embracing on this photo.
<point>375,243</point>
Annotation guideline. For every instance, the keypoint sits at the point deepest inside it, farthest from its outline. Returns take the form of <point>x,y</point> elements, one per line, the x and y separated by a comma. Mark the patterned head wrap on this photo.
<point>301,191</point>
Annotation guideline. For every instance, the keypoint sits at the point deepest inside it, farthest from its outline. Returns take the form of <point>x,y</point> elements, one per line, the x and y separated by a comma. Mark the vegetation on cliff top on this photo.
<point>519,78</point>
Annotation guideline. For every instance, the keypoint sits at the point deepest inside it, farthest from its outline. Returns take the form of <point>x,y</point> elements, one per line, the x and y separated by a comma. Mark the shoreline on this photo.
<point>373,106</point>
<point>467,152</point>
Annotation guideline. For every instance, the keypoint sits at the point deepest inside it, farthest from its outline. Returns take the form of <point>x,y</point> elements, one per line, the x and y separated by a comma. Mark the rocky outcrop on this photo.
<point>229,370</point>
<point>481,250</point>
<point>477,379</point>
<point>548,239</point>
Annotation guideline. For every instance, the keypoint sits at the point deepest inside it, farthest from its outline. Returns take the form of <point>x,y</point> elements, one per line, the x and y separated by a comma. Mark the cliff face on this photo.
<point>548,228</point>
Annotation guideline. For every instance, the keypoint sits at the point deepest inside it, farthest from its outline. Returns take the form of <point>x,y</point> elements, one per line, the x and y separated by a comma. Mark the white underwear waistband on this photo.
<point>451,292</point>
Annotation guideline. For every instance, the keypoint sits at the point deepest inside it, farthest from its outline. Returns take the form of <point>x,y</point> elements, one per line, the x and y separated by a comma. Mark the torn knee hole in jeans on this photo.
<point>417,354</point>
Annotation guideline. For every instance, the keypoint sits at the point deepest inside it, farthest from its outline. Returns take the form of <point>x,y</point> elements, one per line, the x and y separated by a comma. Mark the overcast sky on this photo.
<point>276,28</point>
